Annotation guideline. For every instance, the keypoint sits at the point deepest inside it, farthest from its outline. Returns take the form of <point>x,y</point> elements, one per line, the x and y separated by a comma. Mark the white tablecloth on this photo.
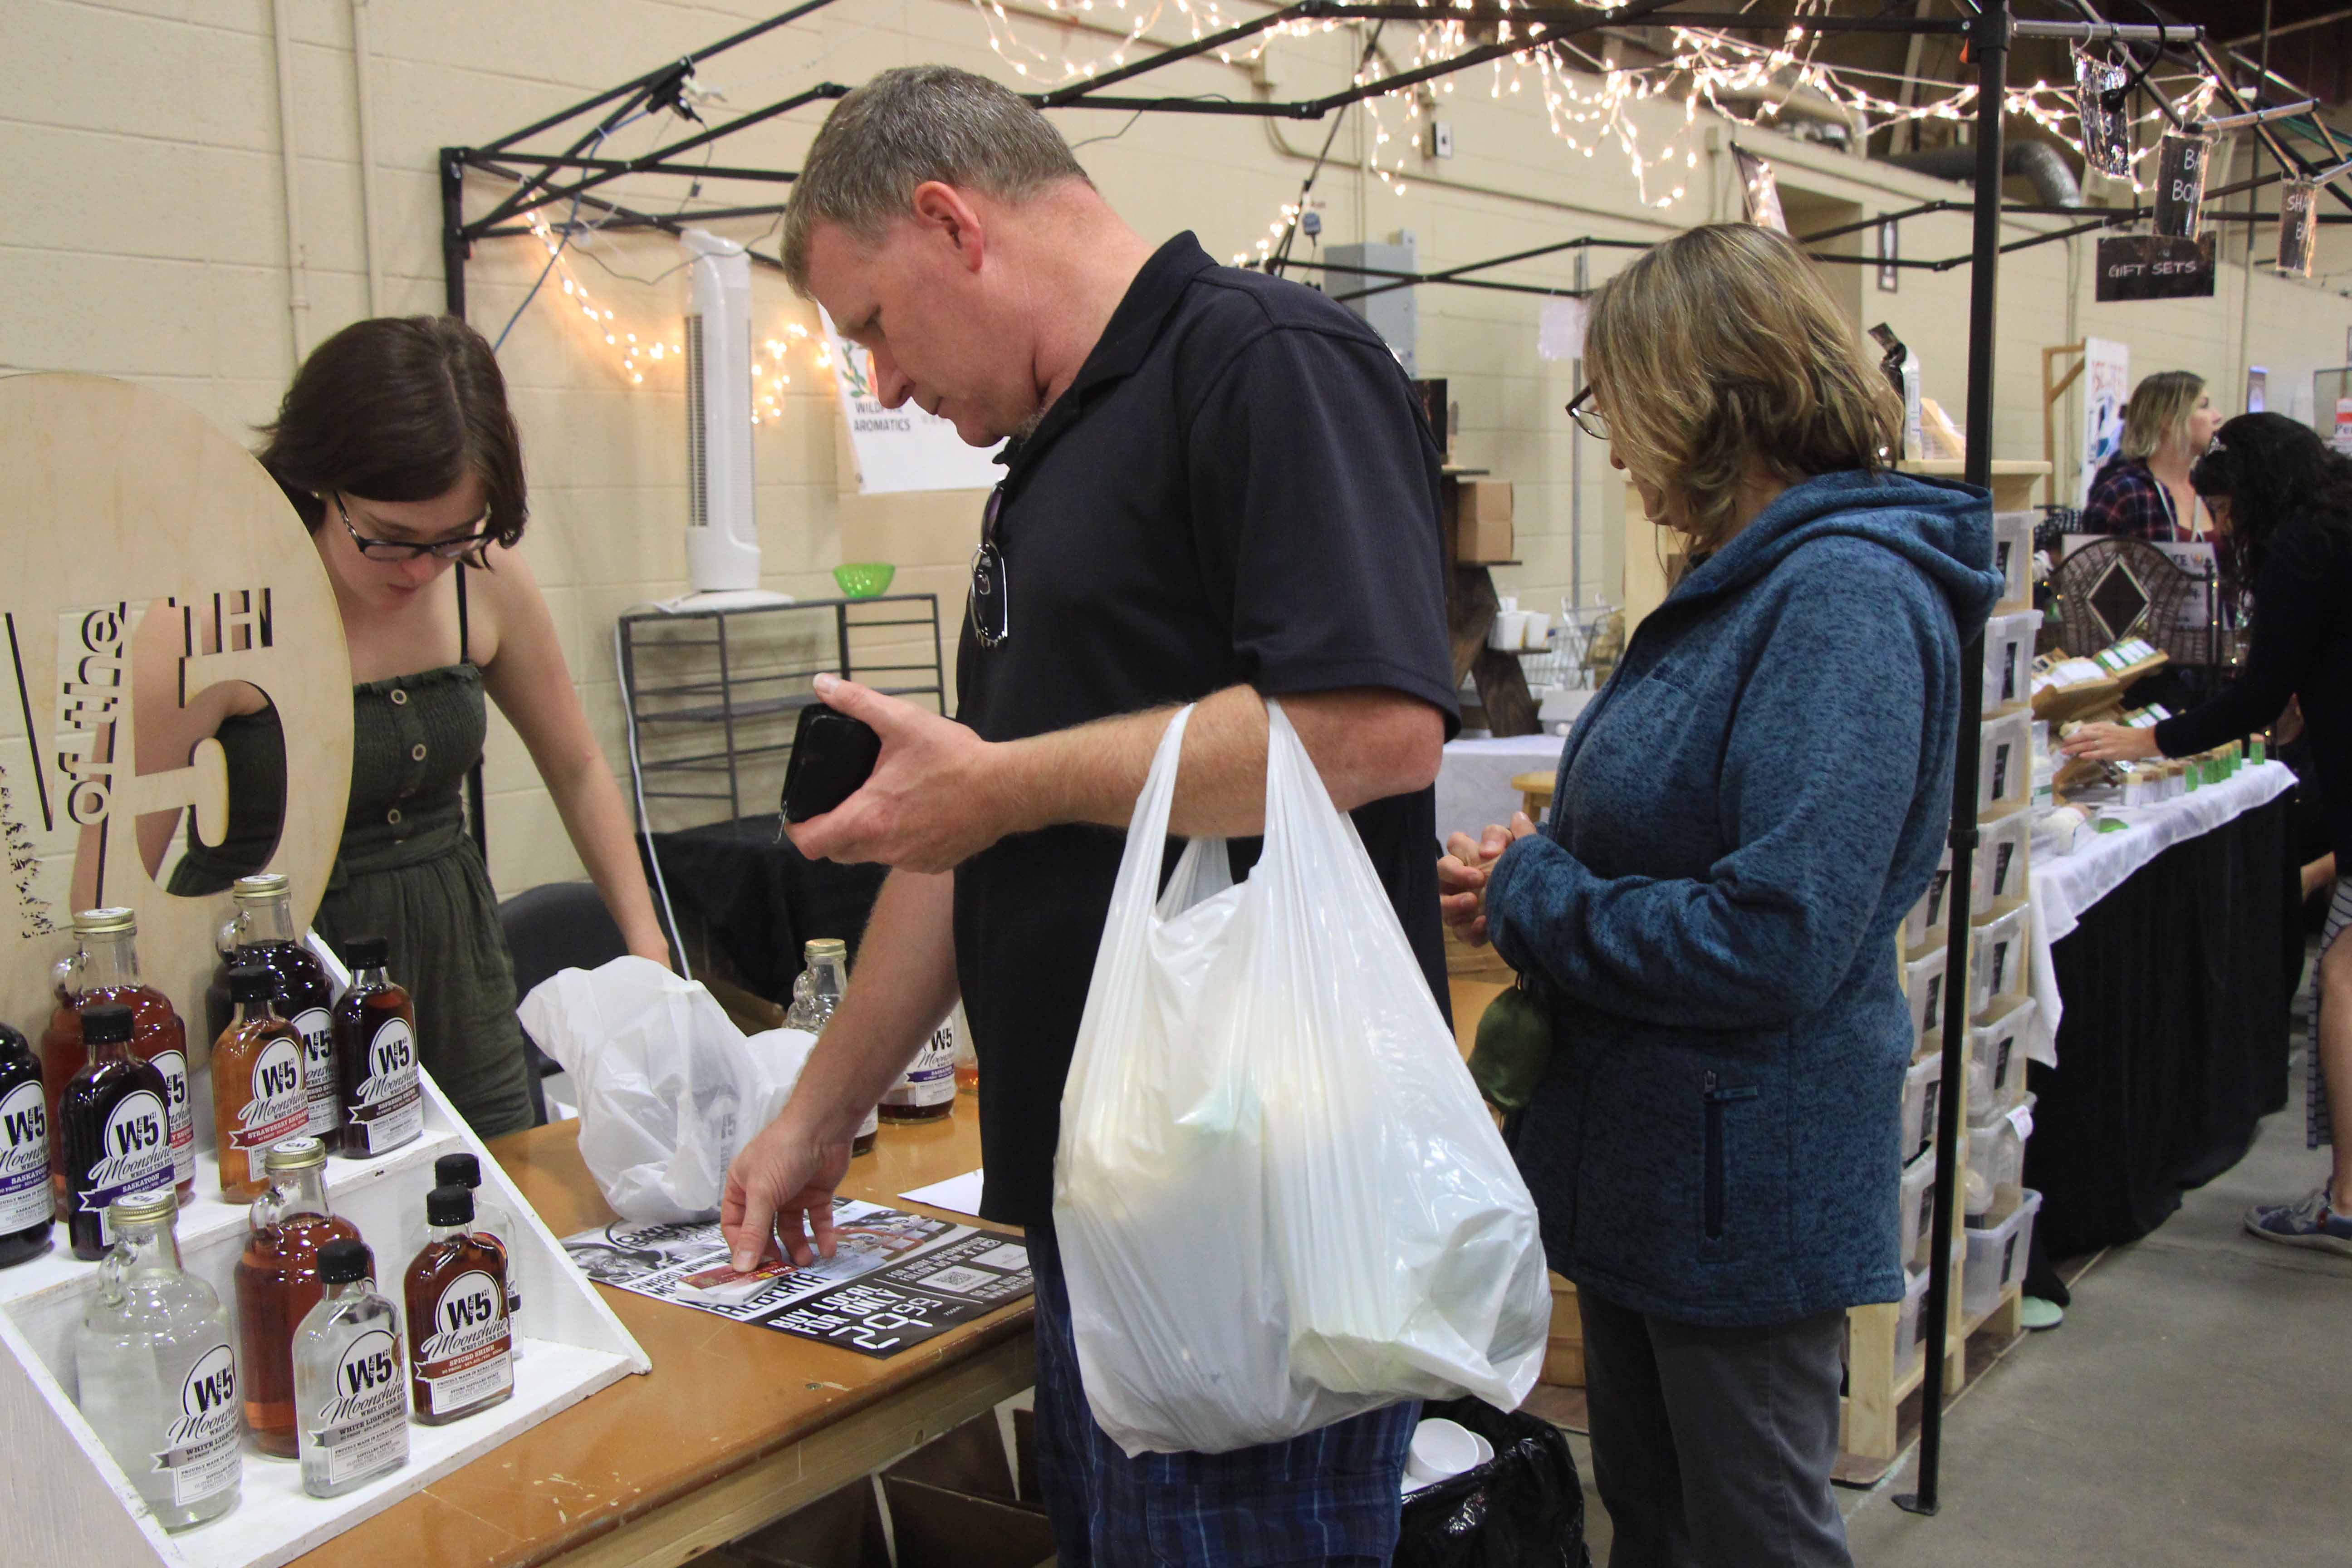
<point>1474,779</point>
<point>2061,887</point>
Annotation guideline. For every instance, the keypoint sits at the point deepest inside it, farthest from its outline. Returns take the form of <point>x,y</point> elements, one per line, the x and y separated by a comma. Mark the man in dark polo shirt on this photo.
<point>1219,490</point>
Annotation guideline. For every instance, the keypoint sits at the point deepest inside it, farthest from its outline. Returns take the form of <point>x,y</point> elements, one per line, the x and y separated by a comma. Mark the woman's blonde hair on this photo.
<point>1717,353</point>
<point>2159,410</point>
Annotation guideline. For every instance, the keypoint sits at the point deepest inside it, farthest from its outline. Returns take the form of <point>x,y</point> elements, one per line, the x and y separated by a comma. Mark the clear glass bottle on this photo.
<point>492,1223</point>
<point>104,967</point>
<point>351,1399</point>
<point>460,1346</point>
<point>816,992</point>
<point>381,1106</point>
<point>114,1133</point>
<point>27,1204</point>
<point>258,1100</point>
<point>153,1372</point>
<point>264,933</point>
<point>277,1283</point>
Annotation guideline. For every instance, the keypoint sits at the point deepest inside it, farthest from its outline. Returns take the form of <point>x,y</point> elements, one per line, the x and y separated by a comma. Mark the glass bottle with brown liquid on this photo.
<point>114,1130</point>
<point>380,1106</point>
<point>459,1338</point>
<point>258,1098</point>
<point>104,967</point>
<point>263,933</point>
<point>277,1283</point>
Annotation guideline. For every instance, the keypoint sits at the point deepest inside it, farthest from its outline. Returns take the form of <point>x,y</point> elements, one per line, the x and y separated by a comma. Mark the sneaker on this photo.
<point>2040,1316</point>
<point>2310,1223</point>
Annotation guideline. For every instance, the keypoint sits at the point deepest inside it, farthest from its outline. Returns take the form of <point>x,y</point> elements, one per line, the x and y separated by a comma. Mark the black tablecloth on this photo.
<point>2174,1042</point>
<point>758,899</point>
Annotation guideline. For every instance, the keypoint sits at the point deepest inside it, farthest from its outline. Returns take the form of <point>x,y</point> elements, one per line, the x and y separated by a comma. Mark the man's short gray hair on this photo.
<point>905,127</point>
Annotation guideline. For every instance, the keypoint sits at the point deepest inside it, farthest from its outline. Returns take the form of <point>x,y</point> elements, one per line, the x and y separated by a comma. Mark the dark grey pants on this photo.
<point>1712,1448</point>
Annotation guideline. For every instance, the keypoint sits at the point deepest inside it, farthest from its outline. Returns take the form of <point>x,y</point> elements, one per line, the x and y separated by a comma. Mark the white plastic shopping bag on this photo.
<point>1278,1197</point>
<point>669,1088</point>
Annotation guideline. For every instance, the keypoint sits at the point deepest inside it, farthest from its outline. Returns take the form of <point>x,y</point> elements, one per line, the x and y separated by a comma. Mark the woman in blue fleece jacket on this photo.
<point>1740,821</point>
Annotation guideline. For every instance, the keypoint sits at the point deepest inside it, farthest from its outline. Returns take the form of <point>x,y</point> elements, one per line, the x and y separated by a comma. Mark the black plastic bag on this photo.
<point>1522,1509</point>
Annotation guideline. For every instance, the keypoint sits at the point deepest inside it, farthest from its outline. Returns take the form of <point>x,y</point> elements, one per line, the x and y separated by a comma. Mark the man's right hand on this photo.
<point>779,1189</point>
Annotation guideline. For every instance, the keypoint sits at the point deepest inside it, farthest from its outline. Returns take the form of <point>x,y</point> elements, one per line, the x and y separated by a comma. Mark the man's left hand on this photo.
<point>932,803</point>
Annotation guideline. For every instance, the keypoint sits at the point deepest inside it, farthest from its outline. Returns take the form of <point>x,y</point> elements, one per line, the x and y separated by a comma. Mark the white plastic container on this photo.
<point>1906,1323</point>
<point>1919,1090</point>
<point>1997,871</point>
<point>1918,1209</point>
<point>2009,660</point>
<point>1929,922</point>
<point>1996,1063</point>
<point>2004,764</point>
<point>1923,984</point>
<point>1997,1255</point>
<point>1997,961</point>
<point>2012,557</point>
<point>1996,1153</point>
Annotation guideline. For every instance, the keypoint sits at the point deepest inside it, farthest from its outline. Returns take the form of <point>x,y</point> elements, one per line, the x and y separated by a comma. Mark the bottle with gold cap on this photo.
<point>263,933</point>
<point>153,1372</point>
<point>104,967</point>
<point>277,1283</point>
<point>824,979</point>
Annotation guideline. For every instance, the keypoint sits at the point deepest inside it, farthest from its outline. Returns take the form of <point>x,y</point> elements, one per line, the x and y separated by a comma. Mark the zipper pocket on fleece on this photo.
<point>1718,1097</point>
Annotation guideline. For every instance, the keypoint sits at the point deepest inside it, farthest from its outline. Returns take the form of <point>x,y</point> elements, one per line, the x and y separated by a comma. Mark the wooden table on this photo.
<point>733,1428</point>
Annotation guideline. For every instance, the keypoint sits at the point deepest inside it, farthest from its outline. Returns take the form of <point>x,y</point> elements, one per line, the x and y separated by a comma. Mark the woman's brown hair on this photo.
<point>2160,411</point>
<point>1717,353</point>
<point>398,408</point>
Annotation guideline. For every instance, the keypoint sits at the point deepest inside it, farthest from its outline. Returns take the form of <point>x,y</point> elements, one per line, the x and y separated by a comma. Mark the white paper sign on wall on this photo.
<point>2107,388</point>
<point>1559,330</point>
<point>901,448</point>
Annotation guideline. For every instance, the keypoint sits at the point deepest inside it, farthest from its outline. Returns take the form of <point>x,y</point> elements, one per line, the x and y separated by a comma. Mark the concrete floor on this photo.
<point>2195,1408</point>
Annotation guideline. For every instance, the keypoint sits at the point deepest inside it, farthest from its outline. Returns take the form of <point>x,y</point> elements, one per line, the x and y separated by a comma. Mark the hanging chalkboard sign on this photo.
<point>2154,266</point>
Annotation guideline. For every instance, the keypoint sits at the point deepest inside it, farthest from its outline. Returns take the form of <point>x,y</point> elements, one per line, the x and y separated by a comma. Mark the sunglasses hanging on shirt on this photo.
<point>990,604</point>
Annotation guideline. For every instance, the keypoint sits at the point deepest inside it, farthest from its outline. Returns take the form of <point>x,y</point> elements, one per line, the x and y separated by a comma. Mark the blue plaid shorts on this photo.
<point>1329,1499</point>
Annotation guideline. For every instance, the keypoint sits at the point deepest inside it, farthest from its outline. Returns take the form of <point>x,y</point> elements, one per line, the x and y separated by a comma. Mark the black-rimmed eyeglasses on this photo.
<point>1589,419</point>
<point>991,605</point>
<point>465,547</point>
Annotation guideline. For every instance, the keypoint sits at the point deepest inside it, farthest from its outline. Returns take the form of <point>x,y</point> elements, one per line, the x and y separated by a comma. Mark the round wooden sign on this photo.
<point>131,523</point>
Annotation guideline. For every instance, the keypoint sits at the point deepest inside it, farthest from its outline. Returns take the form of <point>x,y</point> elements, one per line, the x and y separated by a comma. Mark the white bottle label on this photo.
<point>278,1109</point>
<point>387,1106</point>
<point>363,1427</point>
<point>464,1360</point>
<point>929,1078</point>
<point>137,1142</point>
<point>24,1199</point>
<point>173,1066</point>
<point>200,1449</point>
<point>316,1028</point>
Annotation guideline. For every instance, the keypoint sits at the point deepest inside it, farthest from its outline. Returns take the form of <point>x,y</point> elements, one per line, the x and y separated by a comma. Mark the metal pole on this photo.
<point>1576,460</point>
<point>452,300</point>
<point>1990,42</point>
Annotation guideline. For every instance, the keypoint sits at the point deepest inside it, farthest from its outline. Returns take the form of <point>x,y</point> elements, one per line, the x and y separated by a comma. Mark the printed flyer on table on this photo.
<point>895,1279</point>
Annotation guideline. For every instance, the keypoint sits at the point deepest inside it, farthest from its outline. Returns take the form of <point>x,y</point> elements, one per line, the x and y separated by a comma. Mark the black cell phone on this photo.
<point>832,755</point>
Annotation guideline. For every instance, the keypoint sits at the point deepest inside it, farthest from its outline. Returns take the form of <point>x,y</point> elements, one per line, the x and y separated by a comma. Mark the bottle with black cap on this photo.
<point>492,1222</point>
<point>259,1099</point>
<point>460,1346</point>
<point>28,1208</point>
<point>277,1283</point>
<point>375,1057</point>
<point>114,1128</point>
<point>351,1401</point>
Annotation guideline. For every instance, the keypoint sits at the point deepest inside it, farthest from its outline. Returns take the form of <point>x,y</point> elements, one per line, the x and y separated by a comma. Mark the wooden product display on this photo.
<point>127,512</point>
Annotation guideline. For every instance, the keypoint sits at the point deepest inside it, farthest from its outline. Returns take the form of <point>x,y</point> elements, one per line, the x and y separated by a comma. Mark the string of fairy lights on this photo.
<point>1589,101</point>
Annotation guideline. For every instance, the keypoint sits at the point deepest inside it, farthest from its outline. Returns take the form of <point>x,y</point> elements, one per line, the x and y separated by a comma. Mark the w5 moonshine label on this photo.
<point>173,1066</point>
<point>366,1426</point>
<point>466,1358</point>
<point>316,1028</point>
<point>279,1108</point>
<point>24,1199</point>
<point>387,1106</point>
<point>137,1142</point>
<point>200,1447</point>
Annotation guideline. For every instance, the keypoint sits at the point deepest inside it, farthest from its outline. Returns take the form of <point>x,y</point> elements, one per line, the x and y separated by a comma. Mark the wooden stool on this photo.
<point>1534,793</point>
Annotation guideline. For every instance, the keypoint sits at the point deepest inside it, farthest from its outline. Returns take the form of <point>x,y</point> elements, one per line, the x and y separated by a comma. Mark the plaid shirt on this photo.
<point>2128,500</point>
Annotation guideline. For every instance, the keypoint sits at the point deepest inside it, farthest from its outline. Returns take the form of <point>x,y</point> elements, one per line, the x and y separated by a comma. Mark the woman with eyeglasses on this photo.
<point>396,448</point>
<point>2283,499</point>
<point>1742,818</point>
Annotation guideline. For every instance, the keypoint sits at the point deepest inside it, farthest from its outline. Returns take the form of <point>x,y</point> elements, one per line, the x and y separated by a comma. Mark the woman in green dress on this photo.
<point>395,445</point>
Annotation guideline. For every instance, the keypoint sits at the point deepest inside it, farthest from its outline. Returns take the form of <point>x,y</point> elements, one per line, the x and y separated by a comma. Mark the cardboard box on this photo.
<point>970,1460</point>
<point>1483,523</point>
<point>936,1529</point>
<point>843,1530</point>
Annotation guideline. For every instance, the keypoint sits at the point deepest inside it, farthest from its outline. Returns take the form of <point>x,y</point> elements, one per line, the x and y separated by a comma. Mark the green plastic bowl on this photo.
<point>865,579</point>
